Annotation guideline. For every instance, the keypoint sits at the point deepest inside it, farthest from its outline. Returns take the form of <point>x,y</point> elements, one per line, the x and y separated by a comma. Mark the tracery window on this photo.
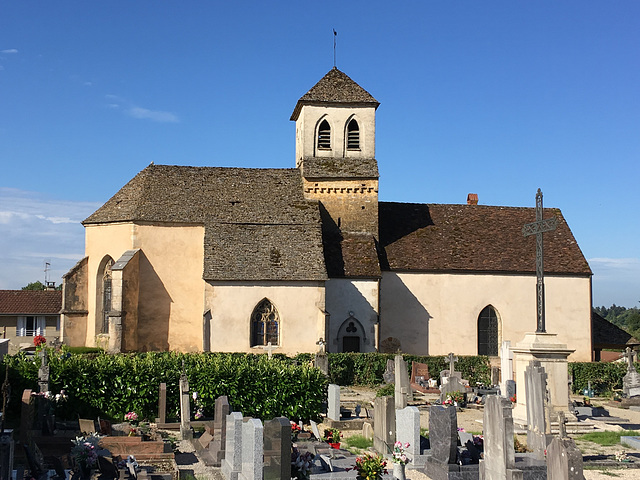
<point>488,332</point>
<point>324,135</point>
<point>353,135</point>
<point>265,323</point>
<point>106,296</point>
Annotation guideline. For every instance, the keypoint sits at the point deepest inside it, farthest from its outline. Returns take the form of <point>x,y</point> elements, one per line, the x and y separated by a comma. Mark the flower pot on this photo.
<point>399,471</point>
<point>335,445</point>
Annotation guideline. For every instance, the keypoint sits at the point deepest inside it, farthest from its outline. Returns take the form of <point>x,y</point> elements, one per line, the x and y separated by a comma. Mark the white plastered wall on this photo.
<point>434,314</point>
<point>300,307</point>
<point>347,299</point>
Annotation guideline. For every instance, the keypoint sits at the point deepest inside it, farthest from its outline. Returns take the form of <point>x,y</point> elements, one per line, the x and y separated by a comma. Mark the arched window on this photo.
<point>488,332</point>
<point>324,135</point>
<point>353,135</point>
<point>105,297</point>
<point>264,324</point>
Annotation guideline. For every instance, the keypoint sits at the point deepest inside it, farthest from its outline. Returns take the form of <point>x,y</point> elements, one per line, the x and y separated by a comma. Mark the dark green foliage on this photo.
<point>78,350</point>
<point>111,385</point>
<point>626,318</point>
<point>387,390</point>
<point>604,377</point>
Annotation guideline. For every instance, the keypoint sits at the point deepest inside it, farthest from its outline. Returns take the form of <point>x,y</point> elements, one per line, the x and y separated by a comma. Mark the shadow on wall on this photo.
<point>352,316</point>
<point>154,309</point>
<point>403,317</point>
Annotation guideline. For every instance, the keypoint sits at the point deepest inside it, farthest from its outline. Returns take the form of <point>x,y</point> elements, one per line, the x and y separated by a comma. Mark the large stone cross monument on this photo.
<point>540,345</point>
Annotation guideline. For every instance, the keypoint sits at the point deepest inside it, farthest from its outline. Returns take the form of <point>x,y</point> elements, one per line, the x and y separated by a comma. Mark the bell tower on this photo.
<point>335,151</point>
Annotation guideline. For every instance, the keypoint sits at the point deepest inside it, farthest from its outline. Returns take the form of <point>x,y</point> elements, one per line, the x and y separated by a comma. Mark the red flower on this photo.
<point>39,340</point>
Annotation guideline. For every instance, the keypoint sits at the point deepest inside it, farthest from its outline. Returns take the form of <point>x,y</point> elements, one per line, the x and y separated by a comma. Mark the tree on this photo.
<point>37,285</point>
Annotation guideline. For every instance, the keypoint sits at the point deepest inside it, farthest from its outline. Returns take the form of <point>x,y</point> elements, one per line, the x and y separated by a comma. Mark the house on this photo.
<point>243,259</point>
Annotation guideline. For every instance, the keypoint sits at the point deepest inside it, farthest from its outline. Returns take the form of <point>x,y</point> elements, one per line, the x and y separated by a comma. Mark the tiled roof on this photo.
<point>335,87</point>
<point>605,334</point>
<point>246,213</point>
<point>478,238</point>
<point>351,255</point>
<point>30,302</point>
<point>314,167</point>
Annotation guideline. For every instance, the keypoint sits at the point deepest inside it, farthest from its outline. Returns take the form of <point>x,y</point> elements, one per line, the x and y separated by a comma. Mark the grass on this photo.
<point>358,441</point>
<point>607,439</point>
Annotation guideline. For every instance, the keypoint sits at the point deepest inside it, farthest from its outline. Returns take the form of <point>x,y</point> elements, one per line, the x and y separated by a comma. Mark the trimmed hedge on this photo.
<point>111,385</point>
<point>604,377</point>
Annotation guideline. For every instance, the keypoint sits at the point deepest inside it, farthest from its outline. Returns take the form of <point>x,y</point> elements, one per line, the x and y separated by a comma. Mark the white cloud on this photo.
<point>616,280</point>
<point>155,115</point>
<point>9,50</point>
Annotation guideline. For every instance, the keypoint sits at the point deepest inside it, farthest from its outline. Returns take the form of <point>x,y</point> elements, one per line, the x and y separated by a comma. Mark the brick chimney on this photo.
<point>472,199</point>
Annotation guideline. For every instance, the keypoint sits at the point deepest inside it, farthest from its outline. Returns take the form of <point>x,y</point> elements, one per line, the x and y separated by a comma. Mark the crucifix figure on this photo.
<point>537,228</point>
<point>452,360</point>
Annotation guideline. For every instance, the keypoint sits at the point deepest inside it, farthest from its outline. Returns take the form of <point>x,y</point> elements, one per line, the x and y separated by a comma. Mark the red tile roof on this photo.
<point>30,302</point>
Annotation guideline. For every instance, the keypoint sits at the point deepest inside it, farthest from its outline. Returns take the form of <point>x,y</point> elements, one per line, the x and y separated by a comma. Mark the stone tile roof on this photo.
<point>351,255</point>
<point>30,302</point>
<point>478,238</point>
<point>246,212</point>
<point>314,167</point>
<point>605,334</point>
<point>335,87</point>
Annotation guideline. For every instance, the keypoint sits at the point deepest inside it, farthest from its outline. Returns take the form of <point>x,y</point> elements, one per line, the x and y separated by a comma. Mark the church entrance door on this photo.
<point>351,344</point>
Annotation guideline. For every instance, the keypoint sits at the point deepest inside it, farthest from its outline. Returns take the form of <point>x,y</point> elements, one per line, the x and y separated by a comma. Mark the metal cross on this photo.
<point>452,360</point>
<point>537,228</point>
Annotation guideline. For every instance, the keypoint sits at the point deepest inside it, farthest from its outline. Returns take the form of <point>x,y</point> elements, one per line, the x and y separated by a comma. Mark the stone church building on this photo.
<point>235,259</point>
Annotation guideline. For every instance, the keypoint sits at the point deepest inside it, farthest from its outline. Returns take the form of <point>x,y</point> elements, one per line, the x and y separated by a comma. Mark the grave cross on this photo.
<point>562,425</point>
<point>628,355</point>
<point>43,372</point>
<point>537,228</point>
<point>321,345</point>
<point>269,349</point>
<point>452,360</point>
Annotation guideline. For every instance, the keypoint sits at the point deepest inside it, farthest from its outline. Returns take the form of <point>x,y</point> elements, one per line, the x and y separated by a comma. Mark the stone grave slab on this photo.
<point>420,378</point>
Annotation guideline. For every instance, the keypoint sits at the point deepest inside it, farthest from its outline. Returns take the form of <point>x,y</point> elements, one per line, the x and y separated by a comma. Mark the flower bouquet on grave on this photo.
<point>398,455</point>
<point>199,415</point>
<point>332,437</point>
<point>454,398</point>
<point>301,464</point>
<point>370,467</point>
<point>40,342</point>
<point>295,430</point>
<point>84,453</point>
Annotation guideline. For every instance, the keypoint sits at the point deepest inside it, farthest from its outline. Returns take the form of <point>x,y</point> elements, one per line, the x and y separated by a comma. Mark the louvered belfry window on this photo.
<point>264,324</point>
<point>353,135</point>
<point>324,135</point>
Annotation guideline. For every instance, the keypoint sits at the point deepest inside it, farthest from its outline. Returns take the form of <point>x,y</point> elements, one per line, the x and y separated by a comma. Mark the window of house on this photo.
<point>324,135</point>
<point>265,323</point>
<point>488,332</point>
<point>353,135</point>
<point>30,326</point>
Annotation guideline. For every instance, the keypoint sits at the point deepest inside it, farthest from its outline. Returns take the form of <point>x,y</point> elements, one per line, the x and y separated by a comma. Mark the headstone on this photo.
<point>403,392</point>
<point>87,426</point>
<point>333,402</point>
<point>443,433</point>
<point>389,375</point>
<point>499,452</point>
<point>253,450</point>
<point>506,367</point>
<point>367,430</point>
<point>218,444</point>
<point>631,381</point>
<point>7,446</point>
<point>26,417</point>
<point>43,371</point>
<point>453,385</point>
<point>205,439</point>
<point>564,460</point>
<point>321,362</point>
<point>420,373</point>
<point>314,429</point>
<point>185,407</point>
<point>232,463</point>
<point>495,375</point>
<point>510,386</point>
<point>162,404</point>
<point>408,430</point>
<point>277,449</point>
<point>384,426</point>
<point>538,422</point>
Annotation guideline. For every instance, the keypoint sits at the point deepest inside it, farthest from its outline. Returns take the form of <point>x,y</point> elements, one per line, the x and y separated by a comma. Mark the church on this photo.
<point>296,259</point>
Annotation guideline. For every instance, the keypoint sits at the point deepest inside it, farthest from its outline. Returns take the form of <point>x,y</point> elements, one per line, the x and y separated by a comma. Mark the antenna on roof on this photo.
<point>47,267</point>
<point>335,34</point>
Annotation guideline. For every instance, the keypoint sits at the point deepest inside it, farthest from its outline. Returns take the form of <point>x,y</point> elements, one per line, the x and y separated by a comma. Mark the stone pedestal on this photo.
<point>552,355</point>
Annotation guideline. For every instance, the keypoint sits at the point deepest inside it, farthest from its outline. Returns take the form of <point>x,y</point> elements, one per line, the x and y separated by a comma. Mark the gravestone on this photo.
<point>315,431</point>
<point>367,430</point>
<point>218,444</point>
<point>443,433</point>
<point>506,367</point>
<point>510,386</point>
<point>185,407</point>
<point>7,446</point>
<point>277,449</point>
<point>564,460</point>
<point>43,371</point>
<point>452,385</point>
<point>631,381</point>
<point>499,453</point>
<point>232,463</point>
<point>538,422</point>
<point>389,375</point>
<point>321,360</point>
<point>333,402</point>
<point>408,430</point>
<point>26,417</point>
<point>253,450</point>
<point>420,373</point>
<point>403,393</point>
<point>384,425</point>
<point>44,420</point>
<point>162,404</point>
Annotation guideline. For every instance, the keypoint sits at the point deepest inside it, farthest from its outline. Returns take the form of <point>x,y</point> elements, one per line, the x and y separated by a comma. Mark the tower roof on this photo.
<point>335,87</point>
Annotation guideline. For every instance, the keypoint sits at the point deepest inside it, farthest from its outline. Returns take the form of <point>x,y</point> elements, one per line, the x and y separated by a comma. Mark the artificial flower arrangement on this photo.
<point>398,455</point>
<point>131,417</point>
<point>301,464</point>
<point>39,341</point>
<point>332,435</point>
<point>84,449</point>
<point>454,398</point>
<point>57,398</point>
<point>513,399</point>
<point>370,467</point>
<point>199,408</point>
<point>295,430</point>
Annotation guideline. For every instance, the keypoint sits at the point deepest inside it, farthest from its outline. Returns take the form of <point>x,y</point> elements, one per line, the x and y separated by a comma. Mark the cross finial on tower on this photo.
<point>335,34</point>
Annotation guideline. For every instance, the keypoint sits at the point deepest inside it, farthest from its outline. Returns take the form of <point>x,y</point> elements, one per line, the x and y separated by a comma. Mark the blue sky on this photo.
<point>495,98</point>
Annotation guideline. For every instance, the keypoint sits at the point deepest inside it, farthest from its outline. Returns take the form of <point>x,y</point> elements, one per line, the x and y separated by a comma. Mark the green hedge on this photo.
<point>604,377</point>
<point>111,385</point>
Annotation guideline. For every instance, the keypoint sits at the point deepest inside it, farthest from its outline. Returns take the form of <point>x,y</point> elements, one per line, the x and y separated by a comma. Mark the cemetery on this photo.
<point>429,423</point>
